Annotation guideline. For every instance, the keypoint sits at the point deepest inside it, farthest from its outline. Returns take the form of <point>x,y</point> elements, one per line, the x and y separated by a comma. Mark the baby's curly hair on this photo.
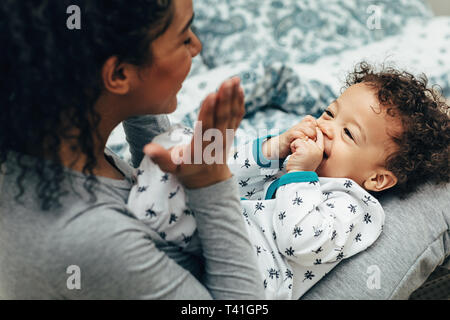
<point>423,144</point>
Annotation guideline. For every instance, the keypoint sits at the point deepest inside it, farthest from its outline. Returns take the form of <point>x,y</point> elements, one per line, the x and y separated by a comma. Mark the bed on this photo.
<point>292,57</point>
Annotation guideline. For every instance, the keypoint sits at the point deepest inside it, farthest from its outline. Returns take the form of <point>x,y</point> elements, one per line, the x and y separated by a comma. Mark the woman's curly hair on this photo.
<point>51,74</point>
<point>423,145</point>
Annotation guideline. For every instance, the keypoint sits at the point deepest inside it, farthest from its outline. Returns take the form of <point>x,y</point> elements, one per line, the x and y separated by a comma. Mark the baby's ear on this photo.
<point>380,180</point>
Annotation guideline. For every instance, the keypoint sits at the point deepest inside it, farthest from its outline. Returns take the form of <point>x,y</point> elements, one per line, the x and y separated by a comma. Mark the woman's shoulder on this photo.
<point>78,212</point>
<point>101,225</point>
<point>100,242</point>
<point>80,232</point>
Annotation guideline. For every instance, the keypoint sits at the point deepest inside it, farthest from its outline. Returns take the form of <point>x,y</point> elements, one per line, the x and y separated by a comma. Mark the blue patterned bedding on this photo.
<point>299,31</point>
<point>293,56</point>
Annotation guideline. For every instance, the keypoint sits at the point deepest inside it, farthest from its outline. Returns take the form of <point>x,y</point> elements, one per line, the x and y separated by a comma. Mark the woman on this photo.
<point>65,231</point>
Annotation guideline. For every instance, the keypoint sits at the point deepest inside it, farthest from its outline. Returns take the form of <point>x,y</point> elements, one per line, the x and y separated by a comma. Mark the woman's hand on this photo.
<point>307,154</point>
<point>220,111</point>
<point>279,147</point>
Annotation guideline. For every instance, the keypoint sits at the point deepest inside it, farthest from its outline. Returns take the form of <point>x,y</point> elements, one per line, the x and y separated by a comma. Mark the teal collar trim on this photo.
<point>293,177</point>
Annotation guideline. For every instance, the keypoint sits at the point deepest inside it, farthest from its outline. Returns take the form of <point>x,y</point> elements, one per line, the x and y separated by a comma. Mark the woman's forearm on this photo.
<point>230,261</point>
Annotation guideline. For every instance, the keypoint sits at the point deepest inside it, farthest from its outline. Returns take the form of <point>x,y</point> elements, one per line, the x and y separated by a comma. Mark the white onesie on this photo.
<point>300,225</point>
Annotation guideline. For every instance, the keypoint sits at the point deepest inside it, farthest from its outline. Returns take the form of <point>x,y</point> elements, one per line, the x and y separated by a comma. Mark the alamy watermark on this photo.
<point>374,279</point>
<point>374,20</point>
<point>200,146</point>
<point>74,280</point>
<point>74,20</point>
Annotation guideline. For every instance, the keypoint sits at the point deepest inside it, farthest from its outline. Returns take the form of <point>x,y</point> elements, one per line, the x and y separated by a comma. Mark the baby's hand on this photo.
<point>307,154</point>
<point>279,147</point>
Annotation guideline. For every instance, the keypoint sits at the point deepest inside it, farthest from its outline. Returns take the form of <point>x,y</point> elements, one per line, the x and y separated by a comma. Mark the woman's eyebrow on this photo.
<point>188,24</point>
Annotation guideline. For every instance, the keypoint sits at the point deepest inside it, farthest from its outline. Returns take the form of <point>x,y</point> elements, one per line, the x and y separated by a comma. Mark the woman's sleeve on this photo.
<point>141,130</point>
<point>230,270</point>
<point>126,264</point>
<point>118,259</point>
<point>230,262</point>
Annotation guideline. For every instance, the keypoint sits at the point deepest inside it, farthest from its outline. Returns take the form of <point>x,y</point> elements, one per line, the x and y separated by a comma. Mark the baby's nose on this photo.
<point>326,130</point>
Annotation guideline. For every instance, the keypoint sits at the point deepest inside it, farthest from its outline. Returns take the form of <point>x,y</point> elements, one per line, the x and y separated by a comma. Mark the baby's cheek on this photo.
<point>356,166</point>
<point>339,166</point>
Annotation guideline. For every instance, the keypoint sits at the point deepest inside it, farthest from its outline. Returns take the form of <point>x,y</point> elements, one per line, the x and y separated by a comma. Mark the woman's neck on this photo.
<point>75,161</point>
<point>110,117</point>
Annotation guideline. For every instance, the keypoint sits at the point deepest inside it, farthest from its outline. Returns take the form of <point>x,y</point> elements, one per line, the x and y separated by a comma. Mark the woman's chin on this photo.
<point>172,106</point>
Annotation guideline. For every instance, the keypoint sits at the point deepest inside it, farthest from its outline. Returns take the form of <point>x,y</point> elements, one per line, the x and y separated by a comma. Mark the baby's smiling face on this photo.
<point>358,139</point>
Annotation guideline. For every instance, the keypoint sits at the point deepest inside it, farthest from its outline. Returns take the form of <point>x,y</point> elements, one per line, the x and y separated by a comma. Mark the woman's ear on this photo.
<point>116,77</point>
<point>380,180</point>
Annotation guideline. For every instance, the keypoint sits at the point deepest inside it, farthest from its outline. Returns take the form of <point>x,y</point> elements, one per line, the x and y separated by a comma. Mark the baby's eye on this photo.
<point>188,41</point>
<point>347,132</point>
<point>328,112</point>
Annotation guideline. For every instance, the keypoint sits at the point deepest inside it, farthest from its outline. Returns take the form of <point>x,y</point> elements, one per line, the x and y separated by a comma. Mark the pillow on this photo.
<point>299,31</point>
<point>415,239</point>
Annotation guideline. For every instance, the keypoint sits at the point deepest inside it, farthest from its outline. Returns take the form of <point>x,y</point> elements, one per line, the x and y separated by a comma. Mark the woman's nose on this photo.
<point>196,45</point>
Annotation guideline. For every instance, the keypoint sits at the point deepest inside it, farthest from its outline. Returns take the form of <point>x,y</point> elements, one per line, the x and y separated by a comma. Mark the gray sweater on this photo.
<point>104,249</point>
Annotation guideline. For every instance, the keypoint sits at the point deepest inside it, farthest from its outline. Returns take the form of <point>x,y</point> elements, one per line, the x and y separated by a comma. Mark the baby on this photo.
<point>387,131</point>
